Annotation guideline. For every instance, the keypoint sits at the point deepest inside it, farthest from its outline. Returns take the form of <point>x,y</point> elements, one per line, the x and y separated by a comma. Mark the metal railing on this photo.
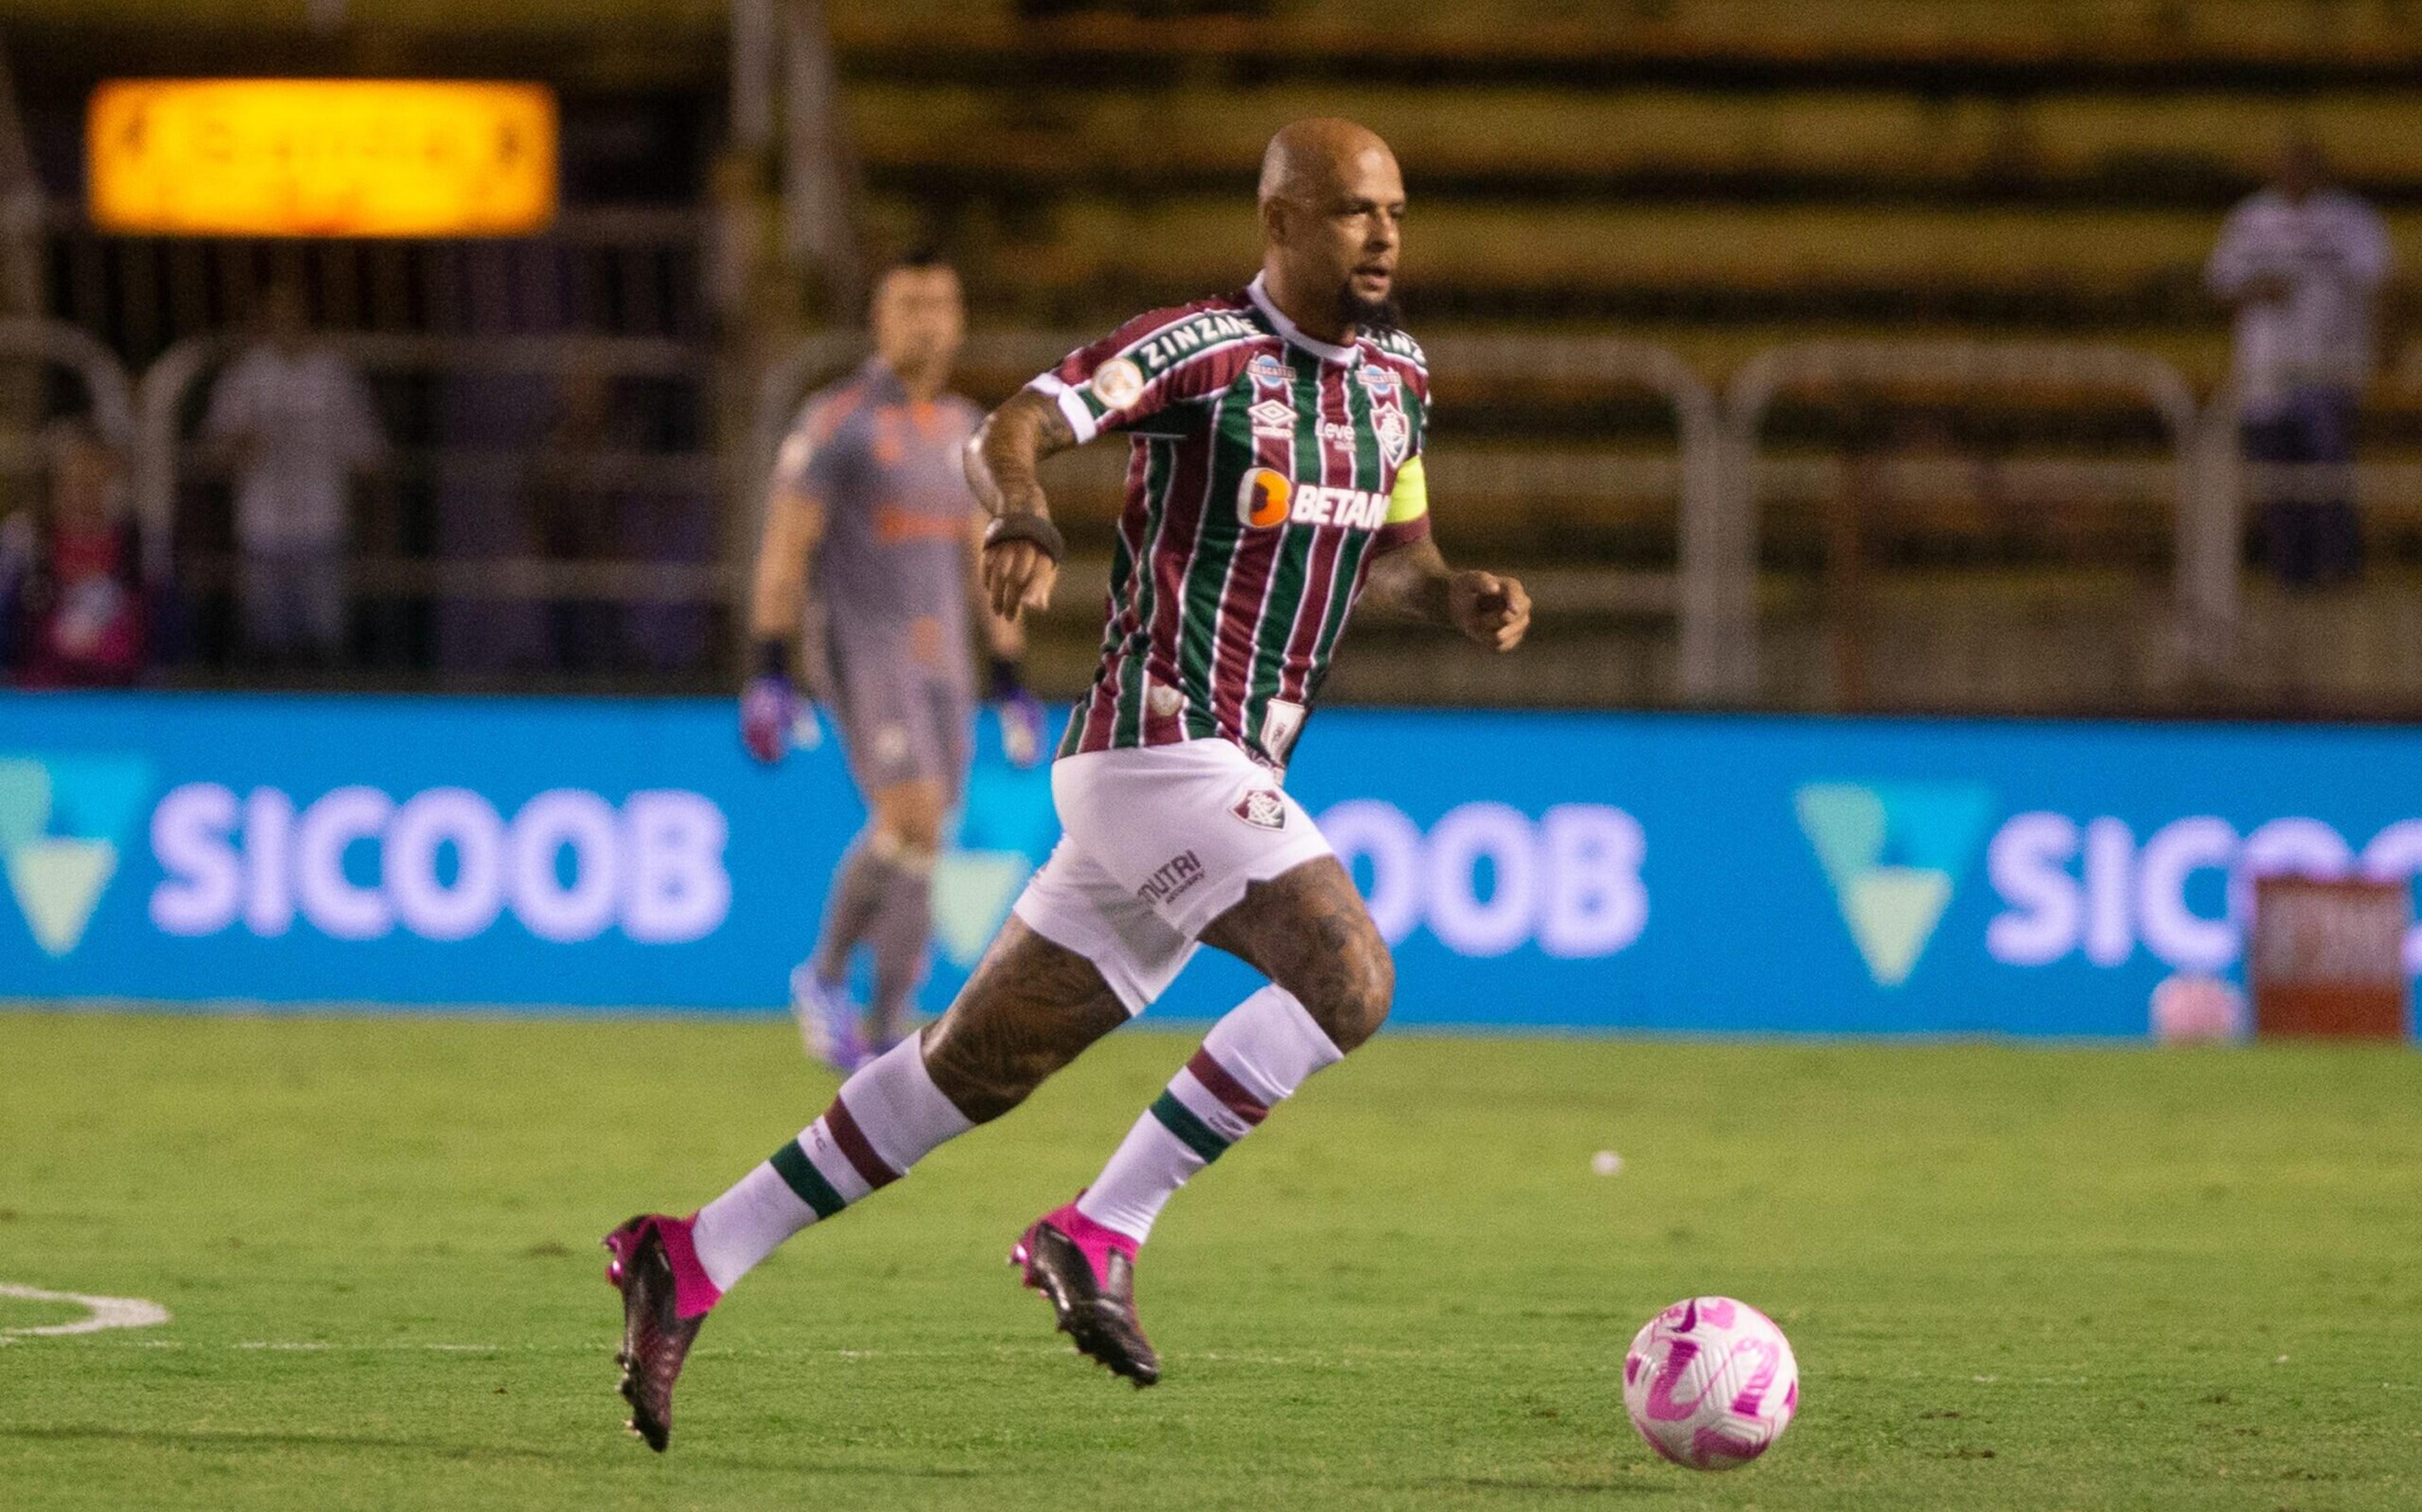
<point>109,397</point>
<point>1716,477</point>
<point>167,384</point>
<point>1966,368</point>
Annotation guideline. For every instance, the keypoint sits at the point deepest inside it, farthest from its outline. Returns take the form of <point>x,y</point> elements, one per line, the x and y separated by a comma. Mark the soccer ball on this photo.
<point>1710,1383</point>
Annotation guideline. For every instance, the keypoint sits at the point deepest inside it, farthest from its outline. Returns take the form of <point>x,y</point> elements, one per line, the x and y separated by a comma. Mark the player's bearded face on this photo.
<point>1381,314</point>
<point>1364,230</point>
<point>920,318</point>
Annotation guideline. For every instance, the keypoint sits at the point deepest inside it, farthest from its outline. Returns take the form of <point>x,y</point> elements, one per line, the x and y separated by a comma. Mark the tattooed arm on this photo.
<point>1414,580</point>
<point>1021,561</point>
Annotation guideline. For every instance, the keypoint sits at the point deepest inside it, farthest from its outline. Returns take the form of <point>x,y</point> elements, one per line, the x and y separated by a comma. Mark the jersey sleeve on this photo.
<point>2238,256</point>
<point>1149,366</point>
<point>2369,253</point>
<point>816,458</point>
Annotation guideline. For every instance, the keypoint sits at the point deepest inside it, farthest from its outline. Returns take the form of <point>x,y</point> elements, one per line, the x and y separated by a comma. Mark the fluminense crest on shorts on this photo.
<point>1262,808</point>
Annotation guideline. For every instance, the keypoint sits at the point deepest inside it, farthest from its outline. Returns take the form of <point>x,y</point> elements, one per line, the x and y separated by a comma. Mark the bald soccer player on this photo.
<point>1275,477</point>
<point>870,542</point>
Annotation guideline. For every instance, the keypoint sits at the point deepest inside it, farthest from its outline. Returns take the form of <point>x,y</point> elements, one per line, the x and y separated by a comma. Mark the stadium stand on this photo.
<point>1722,178</point>
<point>1716,176</point>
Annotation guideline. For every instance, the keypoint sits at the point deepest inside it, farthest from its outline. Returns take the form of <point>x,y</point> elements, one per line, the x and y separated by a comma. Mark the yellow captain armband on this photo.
<point>1411,498</point>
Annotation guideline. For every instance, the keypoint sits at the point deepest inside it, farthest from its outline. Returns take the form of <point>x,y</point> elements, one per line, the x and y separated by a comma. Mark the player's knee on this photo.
<point>1362,991</point>
<point>908,822</point>
<point>912,837</point>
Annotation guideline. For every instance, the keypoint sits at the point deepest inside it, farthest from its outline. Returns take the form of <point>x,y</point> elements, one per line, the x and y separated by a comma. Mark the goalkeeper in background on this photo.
<point>871,544</point>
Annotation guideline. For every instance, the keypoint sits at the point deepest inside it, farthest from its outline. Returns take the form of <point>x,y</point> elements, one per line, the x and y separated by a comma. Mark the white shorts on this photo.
<point>1158,841</point>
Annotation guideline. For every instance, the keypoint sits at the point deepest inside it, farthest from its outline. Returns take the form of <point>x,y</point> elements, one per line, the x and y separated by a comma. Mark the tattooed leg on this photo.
<point>1330,982</point>
<point>1307,932</point>
<point>1032,1007</point>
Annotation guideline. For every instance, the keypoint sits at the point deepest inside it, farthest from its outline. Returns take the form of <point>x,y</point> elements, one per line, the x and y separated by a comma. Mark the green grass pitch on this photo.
<point>2016,1278</point>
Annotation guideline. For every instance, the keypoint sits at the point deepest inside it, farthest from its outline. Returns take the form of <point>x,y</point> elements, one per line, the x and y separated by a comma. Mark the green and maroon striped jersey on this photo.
<point>1265,470</point>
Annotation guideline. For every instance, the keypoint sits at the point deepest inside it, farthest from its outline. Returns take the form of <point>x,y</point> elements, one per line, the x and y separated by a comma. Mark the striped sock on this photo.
<point>1249,1062</point>
<point>882,1122</point>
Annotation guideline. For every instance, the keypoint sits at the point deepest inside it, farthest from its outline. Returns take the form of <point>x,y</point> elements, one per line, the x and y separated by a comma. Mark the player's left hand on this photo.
<point>1017,575</point>
<point>1021,728</point>
<point>768,709</point>
<point>1492,610</point>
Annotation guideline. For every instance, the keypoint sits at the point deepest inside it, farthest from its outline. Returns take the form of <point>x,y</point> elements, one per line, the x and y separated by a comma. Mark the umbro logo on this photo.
<point>1273,419</point>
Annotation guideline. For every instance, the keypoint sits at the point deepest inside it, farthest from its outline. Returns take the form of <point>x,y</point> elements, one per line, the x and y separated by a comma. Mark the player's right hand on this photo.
<point>767,710</point>
<point>1018,574</point>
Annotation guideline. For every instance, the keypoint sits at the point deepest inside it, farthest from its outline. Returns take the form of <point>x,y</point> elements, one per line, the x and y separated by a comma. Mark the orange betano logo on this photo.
<point>1265,498</point>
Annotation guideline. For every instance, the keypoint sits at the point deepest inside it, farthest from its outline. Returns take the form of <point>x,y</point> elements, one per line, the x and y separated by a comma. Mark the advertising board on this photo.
<point>1587,871</point>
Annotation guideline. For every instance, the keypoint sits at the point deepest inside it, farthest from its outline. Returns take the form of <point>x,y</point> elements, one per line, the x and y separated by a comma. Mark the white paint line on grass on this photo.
<point>318,1345</point>
<point>105,1312</point>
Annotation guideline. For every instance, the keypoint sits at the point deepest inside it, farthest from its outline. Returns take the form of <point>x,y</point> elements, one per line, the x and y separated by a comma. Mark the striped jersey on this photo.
<point>1265,470</point>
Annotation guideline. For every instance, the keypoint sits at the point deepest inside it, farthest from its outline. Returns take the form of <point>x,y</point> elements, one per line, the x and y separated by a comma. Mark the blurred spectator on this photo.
<point>72,609</point>
<point>291,421</point>
<point>2301,261</point>
<point>575,509</point>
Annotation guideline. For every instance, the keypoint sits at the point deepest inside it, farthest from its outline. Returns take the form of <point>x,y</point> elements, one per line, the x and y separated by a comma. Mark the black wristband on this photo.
<point>773,657</point>
<point>1027,527</point>
<point>1008,678</point>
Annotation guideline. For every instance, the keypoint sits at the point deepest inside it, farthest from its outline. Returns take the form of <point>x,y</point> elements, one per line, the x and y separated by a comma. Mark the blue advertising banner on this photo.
<point>1578,870</point>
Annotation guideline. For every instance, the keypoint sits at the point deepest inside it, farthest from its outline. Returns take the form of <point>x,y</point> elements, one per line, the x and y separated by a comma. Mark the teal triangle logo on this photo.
<point>972,894</point>
<point>1006,828</point>
<point>64,822</point>
<point>1894,854</point>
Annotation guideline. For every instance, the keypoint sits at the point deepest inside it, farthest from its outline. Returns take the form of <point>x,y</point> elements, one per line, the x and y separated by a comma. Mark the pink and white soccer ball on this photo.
<point>1710,1383</point>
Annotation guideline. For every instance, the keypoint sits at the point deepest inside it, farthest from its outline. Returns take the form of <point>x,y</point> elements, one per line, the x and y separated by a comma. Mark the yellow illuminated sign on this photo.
<point>320,157</point>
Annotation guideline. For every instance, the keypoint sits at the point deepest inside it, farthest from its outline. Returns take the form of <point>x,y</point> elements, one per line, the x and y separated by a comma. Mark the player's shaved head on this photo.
<point>1332,200</point>
<point>1308,160</point>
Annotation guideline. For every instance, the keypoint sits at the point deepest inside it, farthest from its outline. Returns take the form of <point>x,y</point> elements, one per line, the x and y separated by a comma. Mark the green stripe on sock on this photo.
<point>794,1166</point>
<point>1193,1133</point>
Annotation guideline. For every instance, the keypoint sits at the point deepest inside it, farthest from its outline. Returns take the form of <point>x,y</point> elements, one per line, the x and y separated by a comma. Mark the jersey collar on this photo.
<point>1286,328</point>
<point>881,383</point>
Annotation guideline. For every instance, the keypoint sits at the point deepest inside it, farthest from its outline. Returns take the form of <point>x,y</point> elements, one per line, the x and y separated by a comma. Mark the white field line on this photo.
<point>106,1312</point>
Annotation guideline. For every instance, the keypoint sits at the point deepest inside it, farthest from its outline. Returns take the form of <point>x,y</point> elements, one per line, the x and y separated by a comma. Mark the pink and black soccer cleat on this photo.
<point>1088,1273</point>
<point>666,1296</point>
